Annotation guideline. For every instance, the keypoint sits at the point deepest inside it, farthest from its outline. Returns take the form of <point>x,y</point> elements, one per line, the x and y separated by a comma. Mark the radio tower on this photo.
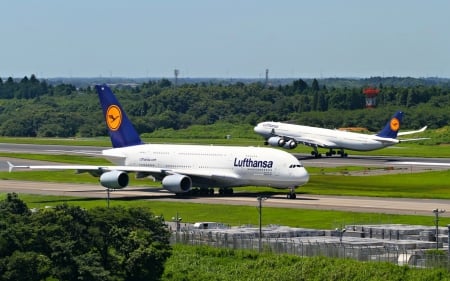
<point>267,77</point>
<point>176,72</point>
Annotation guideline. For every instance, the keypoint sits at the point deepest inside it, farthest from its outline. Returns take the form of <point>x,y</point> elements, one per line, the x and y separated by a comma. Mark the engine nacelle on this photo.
<point>276,141</point>
<point>290,144</point>
<point>114,179</point>
<point>177,183</point>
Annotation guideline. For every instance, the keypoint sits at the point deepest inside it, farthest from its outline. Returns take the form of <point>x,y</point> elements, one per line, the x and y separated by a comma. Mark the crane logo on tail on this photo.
<point>113,117</point>
<point>395,124</point>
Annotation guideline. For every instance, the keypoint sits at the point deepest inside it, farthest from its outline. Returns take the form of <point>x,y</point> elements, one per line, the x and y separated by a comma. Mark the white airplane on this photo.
<point>182,167</point>
<point>289,135</point>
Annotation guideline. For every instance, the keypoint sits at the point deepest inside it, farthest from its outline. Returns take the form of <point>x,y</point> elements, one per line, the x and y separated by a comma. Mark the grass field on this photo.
<point>238,215</point>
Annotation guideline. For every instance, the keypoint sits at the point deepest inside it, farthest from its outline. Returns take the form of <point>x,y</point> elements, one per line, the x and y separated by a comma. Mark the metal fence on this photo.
<point>331,247</point>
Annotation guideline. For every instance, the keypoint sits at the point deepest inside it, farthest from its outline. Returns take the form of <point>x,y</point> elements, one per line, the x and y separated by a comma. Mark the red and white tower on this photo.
<point>371,96</point>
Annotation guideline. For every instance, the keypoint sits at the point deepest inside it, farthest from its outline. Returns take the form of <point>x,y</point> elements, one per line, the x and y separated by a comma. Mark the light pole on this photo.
<point>448,251</point>
<point>260,199</point>
<point>436,221</point>
<point>341,233</point>
<point>177,220</point>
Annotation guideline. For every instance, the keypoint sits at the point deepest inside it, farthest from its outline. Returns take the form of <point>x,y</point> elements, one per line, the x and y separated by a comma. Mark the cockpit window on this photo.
<point>296,166</point>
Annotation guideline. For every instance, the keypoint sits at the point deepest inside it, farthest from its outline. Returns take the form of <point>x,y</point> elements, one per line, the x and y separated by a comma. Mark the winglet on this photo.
<point>121,130</point>
<point>391,128</point>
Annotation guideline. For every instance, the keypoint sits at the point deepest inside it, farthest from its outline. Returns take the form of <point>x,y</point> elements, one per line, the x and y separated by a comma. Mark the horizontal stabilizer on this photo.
<point>415,139</point>
<point>412,132</point>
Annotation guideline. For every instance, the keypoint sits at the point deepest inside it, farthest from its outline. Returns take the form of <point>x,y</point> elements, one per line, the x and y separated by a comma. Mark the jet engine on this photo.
<point>276,141</point>
<point>114,179</point>
<point>290,144</point>
<point>177,183</point>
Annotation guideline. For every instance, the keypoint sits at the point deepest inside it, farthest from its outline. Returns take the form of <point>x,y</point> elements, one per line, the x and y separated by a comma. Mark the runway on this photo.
<point>318,202</point>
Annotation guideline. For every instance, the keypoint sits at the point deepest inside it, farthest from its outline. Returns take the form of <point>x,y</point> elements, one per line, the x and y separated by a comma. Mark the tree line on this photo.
<point>71,243</point>
<point>30,107</point>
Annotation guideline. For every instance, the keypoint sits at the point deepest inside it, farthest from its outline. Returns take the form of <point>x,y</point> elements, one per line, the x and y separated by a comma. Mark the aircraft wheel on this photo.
<point>291,196</point>
<point>315,154</point>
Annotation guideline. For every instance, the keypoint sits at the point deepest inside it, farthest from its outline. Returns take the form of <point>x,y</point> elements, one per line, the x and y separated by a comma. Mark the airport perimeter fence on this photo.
<point>424,258</point>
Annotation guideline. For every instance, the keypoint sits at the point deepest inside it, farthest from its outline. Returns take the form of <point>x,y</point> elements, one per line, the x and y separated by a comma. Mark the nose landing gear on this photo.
<point>291,194</point>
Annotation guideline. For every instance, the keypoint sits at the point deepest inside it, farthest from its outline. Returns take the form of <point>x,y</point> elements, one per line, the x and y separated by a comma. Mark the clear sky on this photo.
<point>225,39</point>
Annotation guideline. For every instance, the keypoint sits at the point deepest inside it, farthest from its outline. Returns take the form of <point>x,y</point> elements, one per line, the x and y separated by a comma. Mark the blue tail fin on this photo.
<point>392,126</point>
<point>120,129</point>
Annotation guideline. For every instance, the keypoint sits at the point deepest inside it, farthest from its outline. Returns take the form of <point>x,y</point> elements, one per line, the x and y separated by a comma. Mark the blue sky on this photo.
<point>226,39</point>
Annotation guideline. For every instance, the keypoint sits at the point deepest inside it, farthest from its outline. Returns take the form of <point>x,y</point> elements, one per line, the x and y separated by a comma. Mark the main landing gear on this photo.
<point>330,153</point>
<point>342,153</point>
<point>226,191</point>
<point>316,153</point>
<point>205,192</point>
<point>198,192</point>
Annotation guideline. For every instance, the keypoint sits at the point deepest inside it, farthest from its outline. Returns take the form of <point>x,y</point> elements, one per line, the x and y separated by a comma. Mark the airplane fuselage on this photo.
<point>226,166</point>
<point>327,138</point>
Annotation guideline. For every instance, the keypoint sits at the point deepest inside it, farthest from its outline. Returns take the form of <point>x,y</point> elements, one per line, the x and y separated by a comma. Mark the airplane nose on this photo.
<point>303,176</point>
<point>259,129</point>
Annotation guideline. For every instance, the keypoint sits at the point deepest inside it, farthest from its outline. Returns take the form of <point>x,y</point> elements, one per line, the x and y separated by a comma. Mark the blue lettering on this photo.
<point>248,162</point>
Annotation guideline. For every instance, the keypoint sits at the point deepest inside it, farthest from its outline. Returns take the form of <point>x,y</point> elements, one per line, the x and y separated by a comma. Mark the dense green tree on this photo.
<point>315,85</point>
<point>30,107</point>
<point>70,243</point>
<point>26,266</point>
<point>13,205</point>
<point>299,85</point>
<point>165,83</point>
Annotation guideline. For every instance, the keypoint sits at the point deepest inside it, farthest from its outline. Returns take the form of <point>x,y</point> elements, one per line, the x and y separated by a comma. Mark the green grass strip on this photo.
<point>237,215</point>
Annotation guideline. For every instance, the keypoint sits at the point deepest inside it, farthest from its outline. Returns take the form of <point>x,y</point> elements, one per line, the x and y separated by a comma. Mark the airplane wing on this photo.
<point>412,132</point>
<point>85,168</point>
<point>157,172</point>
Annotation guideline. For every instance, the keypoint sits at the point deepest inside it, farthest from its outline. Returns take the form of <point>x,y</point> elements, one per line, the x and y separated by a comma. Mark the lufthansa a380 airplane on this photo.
<point>289,135</point>
<point>181,167</point>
